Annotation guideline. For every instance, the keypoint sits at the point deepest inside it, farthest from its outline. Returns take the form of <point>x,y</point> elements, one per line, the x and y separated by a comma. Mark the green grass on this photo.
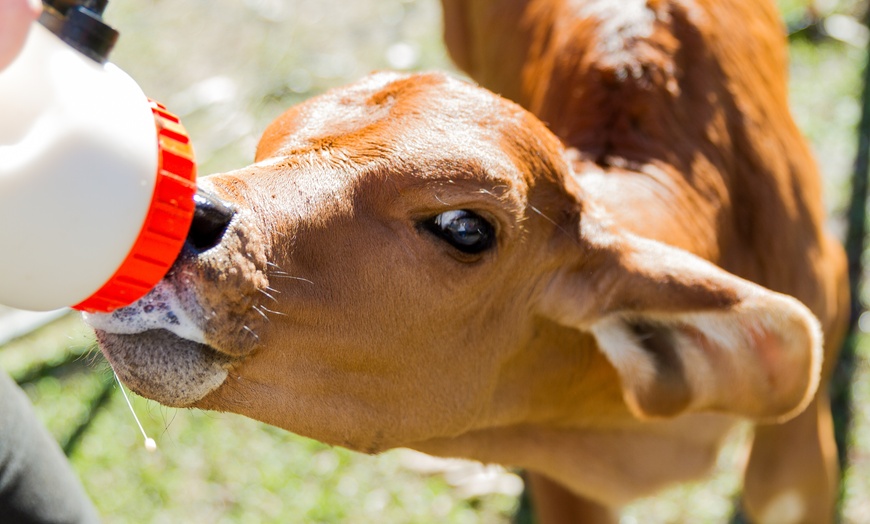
<point>229,67</point>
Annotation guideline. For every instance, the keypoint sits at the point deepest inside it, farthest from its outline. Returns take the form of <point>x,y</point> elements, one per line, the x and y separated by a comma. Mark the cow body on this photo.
<point>596,288</point>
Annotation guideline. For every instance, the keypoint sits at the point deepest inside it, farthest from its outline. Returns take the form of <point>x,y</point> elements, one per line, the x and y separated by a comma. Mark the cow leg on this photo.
<point>553,504</point>
<point>792,472</point>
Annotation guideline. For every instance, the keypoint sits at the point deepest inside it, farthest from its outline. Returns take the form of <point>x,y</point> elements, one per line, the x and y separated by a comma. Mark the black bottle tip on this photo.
<point>62,6</point>
<point>87,32</point>
<point>79,24</point>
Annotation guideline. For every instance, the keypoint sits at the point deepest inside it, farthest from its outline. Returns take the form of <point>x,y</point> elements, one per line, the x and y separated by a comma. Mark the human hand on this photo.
<point>15,19</point>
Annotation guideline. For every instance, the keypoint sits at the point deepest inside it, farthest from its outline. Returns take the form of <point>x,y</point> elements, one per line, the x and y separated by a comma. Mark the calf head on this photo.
<point>408,249</point>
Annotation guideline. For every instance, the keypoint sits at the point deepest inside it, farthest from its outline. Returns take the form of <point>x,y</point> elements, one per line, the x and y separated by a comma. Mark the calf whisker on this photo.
<point>290,277</point>
<point>550,220</point>
<point>262,314</point>
<point>275,269</point>
<point>167,422</point>
<point>251,331</point>
<point>273,312</point>
<point>263,291</point>
<point>93,354</point>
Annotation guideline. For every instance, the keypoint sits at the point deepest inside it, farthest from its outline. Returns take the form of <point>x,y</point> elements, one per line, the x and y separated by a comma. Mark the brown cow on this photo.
<point>414,261</point>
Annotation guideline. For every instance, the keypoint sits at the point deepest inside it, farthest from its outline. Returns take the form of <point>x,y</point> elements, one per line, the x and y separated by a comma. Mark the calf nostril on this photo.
<point>210,221</point>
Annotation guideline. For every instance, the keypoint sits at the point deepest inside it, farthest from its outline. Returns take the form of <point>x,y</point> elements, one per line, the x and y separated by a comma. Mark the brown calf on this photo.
<point>414,261</point>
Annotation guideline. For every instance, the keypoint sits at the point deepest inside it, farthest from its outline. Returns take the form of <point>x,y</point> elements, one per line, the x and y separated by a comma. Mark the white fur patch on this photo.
<point>622,21</point>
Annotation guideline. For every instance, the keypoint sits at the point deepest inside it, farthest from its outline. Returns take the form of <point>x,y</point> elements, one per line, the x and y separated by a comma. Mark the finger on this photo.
<point>16,17</point>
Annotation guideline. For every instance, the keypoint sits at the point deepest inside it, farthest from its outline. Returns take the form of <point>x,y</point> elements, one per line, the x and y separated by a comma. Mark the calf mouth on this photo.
<point>160,365</point>
<point>158,346</point>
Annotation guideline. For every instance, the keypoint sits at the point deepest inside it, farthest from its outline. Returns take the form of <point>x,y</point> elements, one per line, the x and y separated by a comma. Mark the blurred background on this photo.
<point>228,67</point>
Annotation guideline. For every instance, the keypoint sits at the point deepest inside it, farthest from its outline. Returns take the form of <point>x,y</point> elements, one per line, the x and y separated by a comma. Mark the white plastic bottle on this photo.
<point>96,181</point>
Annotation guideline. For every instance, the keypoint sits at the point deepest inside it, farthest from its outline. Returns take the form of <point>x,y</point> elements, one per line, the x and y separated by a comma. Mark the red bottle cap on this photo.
<point>166,224</point>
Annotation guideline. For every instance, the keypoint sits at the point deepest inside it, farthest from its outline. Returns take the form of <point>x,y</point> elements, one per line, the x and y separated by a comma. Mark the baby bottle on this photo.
<point>97,182</point>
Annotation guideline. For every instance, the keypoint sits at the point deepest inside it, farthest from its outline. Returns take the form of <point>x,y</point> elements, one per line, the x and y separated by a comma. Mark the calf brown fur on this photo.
<point>599,298</point>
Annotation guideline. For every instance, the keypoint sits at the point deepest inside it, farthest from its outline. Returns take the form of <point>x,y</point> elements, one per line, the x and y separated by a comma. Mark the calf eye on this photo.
<point>466,231</point>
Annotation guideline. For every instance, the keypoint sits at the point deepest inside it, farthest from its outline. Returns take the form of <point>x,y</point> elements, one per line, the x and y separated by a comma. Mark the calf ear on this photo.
<point>685,335</point>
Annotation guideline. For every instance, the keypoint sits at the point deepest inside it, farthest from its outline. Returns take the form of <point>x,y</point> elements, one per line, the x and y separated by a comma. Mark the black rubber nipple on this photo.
<point>80,24</point>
